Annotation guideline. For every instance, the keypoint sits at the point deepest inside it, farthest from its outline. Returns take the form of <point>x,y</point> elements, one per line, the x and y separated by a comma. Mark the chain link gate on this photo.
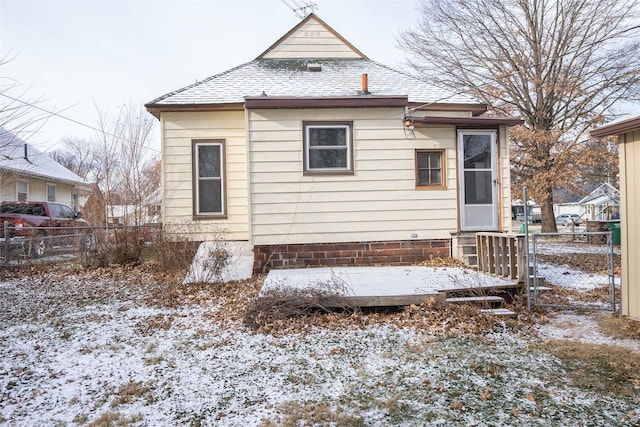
<point>575,271</point>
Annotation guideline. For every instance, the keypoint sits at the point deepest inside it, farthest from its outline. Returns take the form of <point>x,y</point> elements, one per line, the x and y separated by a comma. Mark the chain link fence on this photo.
<point>88,246</point>
<point>579,271</point>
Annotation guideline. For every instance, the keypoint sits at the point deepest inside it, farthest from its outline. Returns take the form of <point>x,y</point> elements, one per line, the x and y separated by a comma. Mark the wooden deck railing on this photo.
<point>502,254</point>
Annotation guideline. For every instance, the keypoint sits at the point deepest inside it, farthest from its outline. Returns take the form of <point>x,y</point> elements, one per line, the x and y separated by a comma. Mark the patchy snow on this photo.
<point>73,353</point>
<point>584,328</point>
<point>570,278</point>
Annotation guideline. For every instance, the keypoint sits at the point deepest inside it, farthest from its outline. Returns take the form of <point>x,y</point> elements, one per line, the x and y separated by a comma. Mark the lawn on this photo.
<point>131,346</point>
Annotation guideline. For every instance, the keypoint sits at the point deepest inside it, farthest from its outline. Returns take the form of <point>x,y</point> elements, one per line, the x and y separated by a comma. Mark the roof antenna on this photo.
<point>301,8</point>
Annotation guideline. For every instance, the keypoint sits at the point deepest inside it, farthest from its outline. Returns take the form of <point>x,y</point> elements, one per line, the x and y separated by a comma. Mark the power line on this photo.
<point>53,113</point>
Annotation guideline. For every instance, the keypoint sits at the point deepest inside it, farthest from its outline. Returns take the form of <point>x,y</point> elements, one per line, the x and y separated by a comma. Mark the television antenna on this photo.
<point>302,8</point>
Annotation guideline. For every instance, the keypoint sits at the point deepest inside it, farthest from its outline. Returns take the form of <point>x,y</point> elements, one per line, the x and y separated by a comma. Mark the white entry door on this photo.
<point>478,168</point>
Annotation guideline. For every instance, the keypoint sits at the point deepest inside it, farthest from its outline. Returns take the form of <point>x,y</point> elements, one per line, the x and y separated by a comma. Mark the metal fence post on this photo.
<point>612,273</point>
<point>526,248</point>
<point>6,248</point>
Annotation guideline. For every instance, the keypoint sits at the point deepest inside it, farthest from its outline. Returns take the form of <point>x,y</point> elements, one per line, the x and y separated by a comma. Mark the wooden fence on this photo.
<point>502,254</point>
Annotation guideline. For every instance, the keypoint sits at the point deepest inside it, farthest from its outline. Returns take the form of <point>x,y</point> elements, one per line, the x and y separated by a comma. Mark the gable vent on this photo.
<point>314,67</point>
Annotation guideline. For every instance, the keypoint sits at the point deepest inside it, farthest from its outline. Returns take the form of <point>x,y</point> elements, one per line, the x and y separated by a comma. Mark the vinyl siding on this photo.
<point>311,40</point>
<point>178,132</point>
<point>505,178</point>
<point>37,189</point>
<point>629,150</point>
<point>379,202</point>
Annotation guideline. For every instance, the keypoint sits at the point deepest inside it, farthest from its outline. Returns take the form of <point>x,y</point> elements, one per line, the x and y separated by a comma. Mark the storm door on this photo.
<point>478,166</point>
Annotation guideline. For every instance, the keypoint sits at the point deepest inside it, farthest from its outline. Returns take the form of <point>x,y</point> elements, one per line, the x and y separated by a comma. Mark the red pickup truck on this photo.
<point>40,226</point>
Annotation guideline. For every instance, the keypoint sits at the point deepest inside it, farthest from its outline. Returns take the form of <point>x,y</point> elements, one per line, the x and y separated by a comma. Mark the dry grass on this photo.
<point>604,368</point>
<point>620,327</point>
<point>313,414</point>
<point>112,419</point>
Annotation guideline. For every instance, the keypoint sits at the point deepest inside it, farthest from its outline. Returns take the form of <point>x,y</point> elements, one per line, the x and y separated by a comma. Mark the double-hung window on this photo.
<point>51,192</point>
<point>328,148</point>
<point>209,185</point>
<point>22,191</point>
<point>430,171</point>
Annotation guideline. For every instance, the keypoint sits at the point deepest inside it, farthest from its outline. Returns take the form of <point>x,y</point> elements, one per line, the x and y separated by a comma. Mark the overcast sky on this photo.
<point>81,53</point>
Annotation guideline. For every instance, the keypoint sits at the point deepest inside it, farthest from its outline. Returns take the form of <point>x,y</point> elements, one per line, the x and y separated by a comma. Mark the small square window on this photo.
<point>328,148</point>
<point>430,170</point>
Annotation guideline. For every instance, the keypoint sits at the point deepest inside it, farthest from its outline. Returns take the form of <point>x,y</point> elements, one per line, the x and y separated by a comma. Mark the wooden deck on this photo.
<point>382,286</point>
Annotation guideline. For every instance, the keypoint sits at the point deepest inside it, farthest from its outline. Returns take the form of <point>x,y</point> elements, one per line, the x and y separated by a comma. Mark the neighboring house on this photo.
<point>316,155</point>
<point>628,132</point>
<point>102,214</point>
<point>601,204</point>
<point>29,174</point>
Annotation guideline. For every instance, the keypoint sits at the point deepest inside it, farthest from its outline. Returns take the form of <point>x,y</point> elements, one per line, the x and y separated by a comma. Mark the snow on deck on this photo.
<point>396,285</point>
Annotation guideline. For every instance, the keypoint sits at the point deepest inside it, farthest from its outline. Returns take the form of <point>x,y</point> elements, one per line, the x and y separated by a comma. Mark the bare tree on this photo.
<point>123,153</point>
<point>78,155</point>
<point>561,65</point>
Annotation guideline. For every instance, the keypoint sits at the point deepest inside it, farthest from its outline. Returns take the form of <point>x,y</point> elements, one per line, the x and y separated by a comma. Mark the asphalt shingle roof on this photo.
<point>36,163</point>
<point>290,78</point>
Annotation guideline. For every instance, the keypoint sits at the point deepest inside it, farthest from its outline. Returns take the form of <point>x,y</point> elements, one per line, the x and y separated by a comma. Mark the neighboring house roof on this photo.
<point>595,194</point>
<point>605,193</point>
<point>334,69</point>
<point>17,156</point>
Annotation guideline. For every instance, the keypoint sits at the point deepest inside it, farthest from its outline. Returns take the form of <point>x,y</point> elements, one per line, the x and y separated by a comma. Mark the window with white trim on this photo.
<point>328,148</point>
<point>209,185</point>
<point>51,192</point>
<point>22,191</point>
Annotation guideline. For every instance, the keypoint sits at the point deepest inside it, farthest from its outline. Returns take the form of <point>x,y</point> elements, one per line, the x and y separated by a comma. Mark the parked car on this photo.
<point>568,219</point>
<point>39,226</point>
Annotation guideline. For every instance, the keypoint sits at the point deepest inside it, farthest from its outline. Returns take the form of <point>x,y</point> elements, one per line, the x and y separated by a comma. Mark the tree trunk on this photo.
<point>546,208</point>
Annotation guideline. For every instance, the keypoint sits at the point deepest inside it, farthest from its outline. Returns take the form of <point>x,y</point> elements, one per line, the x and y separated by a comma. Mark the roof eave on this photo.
<point>616,128</point>
<point>157,109</point>
<point>475,109</point>
<point>27,173</point>
<point>464,121</point>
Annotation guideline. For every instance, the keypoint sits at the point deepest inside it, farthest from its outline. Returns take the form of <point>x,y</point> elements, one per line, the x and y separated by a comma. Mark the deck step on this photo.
<point>503,312</point>
<point>490,299</point>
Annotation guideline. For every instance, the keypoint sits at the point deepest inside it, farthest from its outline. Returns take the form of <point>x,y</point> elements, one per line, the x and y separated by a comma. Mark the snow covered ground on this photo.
<point>106,350</point>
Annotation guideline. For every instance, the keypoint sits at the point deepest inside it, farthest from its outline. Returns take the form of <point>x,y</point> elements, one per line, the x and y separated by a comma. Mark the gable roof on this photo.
<point>17,156</point>
<point>312,38</point>
<point>311,60</point>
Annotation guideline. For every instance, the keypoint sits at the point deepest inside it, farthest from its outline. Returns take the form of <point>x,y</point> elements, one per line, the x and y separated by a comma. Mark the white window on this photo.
<point>209,185</point>
<point>22,191</point>
<point>328,148</point>
<point>51,192</point>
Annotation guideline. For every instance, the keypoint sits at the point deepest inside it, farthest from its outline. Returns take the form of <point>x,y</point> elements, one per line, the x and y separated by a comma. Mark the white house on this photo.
<point>26,173</point>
